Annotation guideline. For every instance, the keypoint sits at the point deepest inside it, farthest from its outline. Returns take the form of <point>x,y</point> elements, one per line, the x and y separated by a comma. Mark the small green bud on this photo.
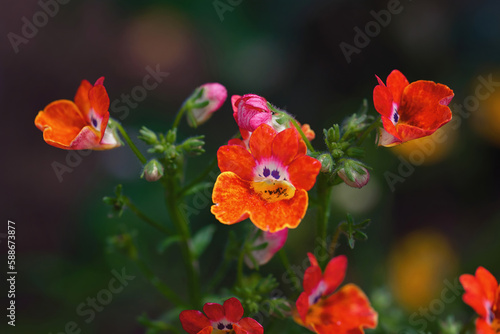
<point>171,136</point>
<point>354,174</point>
<point>148,136</point>
<point>326,162</point>
<point>153,171</point>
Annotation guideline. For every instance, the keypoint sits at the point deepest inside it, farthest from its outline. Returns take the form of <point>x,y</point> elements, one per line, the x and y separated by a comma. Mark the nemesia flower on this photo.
<point>324,311</point>
<point>410,111</point>
<point>482,293</point>
<point>274,242</point>
<point>226,318</point>
<point>82,124</point>
<point>216,95</point>
<point>267,183</point>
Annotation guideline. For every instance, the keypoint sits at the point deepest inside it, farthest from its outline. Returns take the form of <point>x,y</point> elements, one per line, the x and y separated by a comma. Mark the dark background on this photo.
<point>289,53</point>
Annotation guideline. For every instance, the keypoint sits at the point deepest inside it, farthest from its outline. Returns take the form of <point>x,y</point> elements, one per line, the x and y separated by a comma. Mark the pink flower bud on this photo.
<point>215,94</point>
<point>355,179</point>
<point>250,111</point>
<point>275,241</point>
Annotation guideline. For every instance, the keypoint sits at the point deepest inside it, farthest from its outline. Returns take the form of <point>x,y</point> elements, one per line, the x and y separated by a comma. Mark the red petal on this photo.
<point>285,145</point>
<point>488,282</point>
<point>214,311</point>
<point>386,139</point>
<point>99,101</point>
<point>303,172</point>
<point>236,141</point>
<point>82,98</point>
<point>346,311</point>
<point>235,99</point>
<point>193,321</point>
<point>312,259</point>
<point>424,105</point>
<point>475,296</point>
<point>312,277</point>
<point>233,310</point>
<point>233,198</point>
<point>396,82</point>
<point>407,132</point>
<point>206,330</point>
<point>251,326</point>
<point>302,305</point>
<point>334,273</point>
<point>482,327</point>
<point>382,100</point>
<point>260,142</point>
<point>61,122</point>
<point>236,159</point>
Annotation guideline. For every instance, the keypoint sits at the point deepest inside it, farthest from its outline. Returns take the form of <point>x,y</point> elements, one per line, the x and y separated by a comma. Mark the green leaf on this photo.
<point>202,239</point>
<point>168,242</point>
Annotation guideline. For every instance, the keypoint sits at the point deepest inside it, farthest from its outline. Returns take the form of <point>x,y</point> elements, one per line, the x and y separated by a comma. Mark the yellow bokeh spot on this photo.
<point>428,150</point>
<point>273,191</point>
<point>486,119</point>
<point>419,264</point>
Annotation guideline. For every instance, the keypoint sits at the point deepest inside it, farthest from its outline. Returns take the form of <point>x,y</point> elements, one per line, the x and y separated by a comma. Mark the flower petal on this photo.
<point>251,326</point>
<point>233,310</point>
<point>346,311</point>
<point>482,327</point>
<point>475,296</point>
<point>260,142</point>
<point>82,98</point>
<point>214,311</point>
<point>386,139</point>
<point>234,198</point>
<point>61,122</point>
<point>382,100</point>
<point>396,82</point>
<point>206,330</point>
<point>303,172</point>
<point>285,145</point>
<point>236,159</point>
<point>488,282</point>
<point>424,105</point>
<point>194,321</point>
<point>335,273</point>
<point>302,305</point>
<point>99,102</point>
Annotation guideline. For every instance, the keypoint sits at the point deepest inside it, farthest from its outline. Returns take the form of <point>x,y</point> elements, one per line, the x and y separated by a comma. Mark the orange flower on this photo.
<point>482,293</point>
<point>267,184</point>
<point>410,111</point>
<point>346,311</point>
<point>81,124</point>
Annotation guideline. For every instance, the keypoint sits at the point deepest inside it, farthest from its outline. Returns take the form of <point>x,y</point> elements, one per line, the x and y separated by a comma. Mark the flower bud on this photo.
<point>250,111</point>
<point>153,171</point>
<point>326,162</point>
<point>354,174</point>
<point>267,245</point>
<point>212,97</point>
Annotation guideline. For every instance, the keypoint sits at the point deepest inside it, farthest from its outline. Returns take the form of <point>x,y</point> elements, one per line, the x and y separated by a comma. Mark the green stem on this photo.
<point>288,268</point>
<point>180,113</point>
<point>335,240</point>
<point>125,136</point>
<point>158,284</point>
<point>181,225</point>
<point>304,138</point>
<point>324,193</point>
<point>200,178</point>
<point>145,218</point>
<point>376,124</point>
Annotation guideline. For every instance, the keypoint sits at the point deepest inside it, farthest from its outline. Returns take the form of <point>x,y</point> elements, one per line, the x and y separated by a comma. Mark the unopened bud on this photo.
<point>212,97</point>
<point>354,174</point>
<point>326,162</point>
<point>153,171</point>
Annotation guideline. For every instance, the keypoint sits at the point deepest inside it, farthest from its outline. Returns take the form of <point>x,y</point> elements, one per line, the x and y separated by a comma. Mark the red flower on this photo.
<point>346,311</point>
<point>219,319</point>
<point>410,111</point>
<point>267,184</point>
<point>82,124</point>
<point>250,111</point>
<point>482,293</point>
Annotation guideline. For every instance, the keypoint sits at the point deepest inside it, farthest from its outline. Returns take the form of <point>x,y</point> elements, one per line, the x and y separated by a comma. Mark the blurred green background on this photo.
<point>441,221</point>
